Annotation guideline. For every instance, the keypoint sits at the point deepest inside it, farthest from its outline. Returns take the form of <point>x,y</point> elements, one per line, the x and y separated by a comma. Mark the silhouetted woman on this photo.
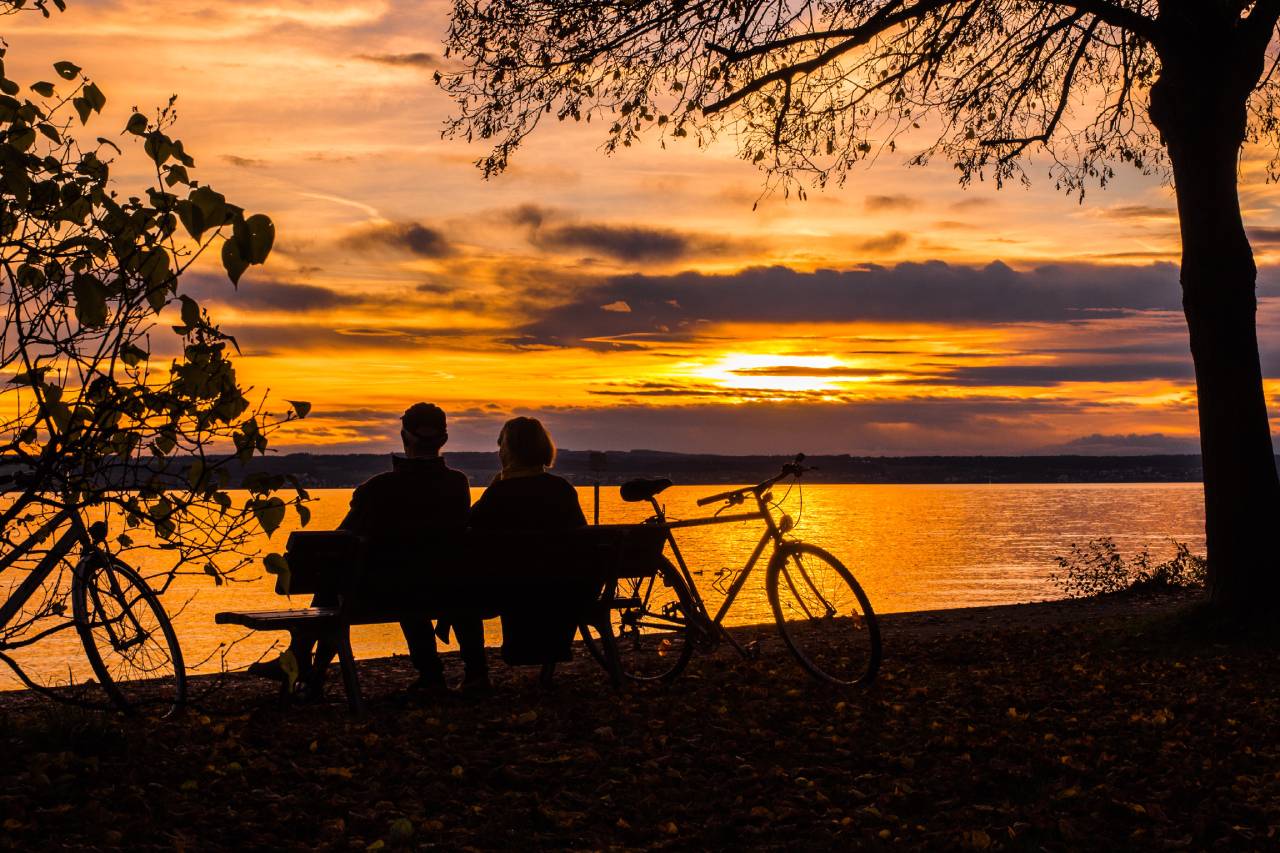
<point>538,628</point>
<point>524,496</point>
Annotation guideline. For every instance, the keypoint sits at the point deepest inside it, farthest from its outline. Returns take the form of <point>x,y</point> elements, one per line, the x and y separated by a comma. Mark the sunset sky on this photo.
<point>638,301</point>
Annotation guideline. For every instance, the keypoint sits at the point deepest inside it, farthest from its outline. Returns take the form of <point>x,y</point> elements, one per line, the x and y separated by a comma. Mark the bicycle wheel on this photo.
<point>823,615</point>
<point>651,622</point>
<point>127,636</point>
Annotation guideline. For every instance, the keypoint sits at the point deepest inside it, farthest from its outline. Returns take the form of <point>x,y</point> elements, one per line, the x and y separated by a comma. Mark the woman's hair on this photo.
<point>528,442</point>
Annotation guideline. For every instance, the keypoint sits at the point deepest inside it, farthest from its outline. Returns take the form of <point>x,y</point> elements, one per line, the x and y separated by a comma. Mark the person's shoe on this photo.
<point>268,669</point>
<point>476,686</point>
<point>313,693</point>
<point>430,685</point>
<point>283,669</point>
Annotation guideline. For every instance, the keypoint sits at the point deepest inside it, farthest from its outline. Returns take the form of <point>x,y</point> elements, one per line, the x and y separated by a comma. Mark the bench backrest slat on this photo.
<point>321,561</point>
<point>331,561</point>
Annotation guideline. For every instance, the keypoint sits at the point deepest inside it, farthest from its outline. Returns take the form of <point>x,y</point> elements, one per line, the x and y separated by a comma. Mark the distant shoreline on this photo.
<point>348,470</point>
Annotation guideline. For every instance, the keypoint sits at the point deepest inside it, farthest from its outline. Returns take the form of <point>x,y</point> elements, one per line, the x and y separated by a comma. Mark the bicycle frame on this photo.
<point>37,576</point>
<point>772,534</point>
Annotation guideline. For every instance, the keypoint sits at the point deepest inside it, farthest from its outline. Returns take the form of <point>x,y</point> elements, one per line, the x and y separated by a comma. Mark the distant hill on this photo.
<point>345,471</point>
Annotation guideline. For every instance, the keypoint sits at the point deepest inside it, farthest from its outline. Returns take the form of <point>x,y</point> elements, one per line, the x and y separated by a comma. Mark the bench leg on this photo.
<point>609,645</point>
<point>347,661</point>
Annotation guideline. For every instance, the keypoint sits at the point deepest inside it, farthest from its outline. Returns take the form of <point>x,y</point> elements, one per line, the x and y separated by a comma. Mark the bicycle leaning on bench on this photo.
<point>822,613</point>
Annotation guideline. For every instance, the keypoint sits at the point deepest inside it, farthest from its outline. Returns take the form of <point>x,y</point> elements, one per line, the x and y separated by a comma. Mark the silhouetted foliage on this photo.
<point>1098,568</point>
<point>808,90</point>
<point>120,409</point>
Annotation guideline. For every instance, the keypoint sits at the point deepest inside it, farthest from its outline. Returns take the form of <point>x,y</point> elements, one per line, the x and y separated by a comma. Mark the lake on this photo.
<point>912,547</point>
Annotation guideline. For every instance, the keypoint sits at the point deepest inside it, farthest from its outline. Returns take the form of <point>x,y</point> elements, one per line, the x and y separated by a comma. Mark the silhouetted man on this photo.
<point>401,514</point>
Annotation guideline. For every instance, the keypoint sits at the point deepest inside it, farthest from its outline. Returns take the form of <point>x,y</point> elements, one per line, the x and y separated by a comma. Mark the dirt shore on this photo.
<point>1096,724</point>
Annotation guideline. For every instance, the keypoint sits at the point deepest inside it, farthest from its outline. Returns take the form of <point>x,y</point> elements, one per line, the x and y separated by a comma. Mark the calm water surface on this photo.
<point>912,547</point>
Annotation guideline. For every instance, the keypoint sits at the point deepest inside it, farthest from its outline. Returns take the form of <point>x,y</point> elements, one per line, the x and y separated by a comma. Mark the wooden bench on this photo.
<point>490,572</point>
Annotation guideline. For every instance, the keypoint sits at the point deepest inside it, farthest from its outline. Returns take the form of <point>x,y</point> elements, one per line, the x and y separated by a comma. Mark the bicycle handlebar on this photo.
<point>722,496</point>
<point>793,468</point>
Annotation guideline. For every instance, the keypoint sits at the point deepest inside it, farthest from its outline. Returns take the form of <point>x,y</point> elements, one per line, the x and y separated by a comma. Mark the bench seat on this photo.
<point>499,566</point>
<point>275,620</point>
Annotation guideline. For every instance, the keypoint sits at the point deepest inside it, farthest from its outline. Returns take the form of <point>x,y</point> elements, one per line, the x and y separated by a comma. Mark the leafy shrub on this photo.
<point>1098,568</point>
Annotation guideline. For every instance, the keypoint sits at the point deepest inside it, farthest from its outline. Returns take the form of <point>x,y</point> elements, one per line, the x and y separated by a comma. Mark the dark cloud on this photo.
<point>418,60</point>
<point>921,425</point>
<point>675,307</point>
<point>633,243</point>
<point>265,295</point>
<point>1264,236</point>
<point>530,214</point>
<point>438,288</point>
<point>817,372</point>
<point>318,337</point>
<point>891,202</point>
<point>1139,211</point>
<point>1055,374</point>
<point>626,243</point>
<point>411,237</point>
<point>884,244</point>
<point>645,390</point>
<point>244,162</point>
<point>1132,444</point>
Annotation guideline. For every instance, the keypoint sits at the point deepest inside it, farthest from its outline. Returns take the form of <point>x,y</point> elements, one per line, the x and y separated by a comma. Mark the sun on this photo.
<point>765,371</point>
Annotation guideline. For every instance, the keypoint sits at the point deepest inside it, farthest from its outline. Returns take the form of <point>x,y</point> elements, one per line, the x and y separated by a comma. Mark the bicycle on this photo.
<point>822,614</point>
<point>126,633</point>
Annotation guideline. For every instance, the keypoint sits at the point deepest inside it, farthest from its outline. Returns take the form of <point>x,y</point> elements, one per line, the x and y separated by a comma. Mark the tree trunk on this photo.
<point>1202,118</point>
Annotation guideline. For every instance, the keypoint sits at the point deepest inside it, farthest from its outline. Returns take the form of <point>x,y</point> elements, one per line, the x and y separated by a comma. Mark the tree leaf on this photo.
<point>83,109</point>
<point>212,206</point>
<point>232,262</point>
<point>22,138</point>
<point>137,124</point>
<point>94,96</point>
<point>66,70</point>
<point>158,147</point>
<point>133,355</point>
<point>44,89</point>
<point>300,407</point>
<point>270,513</point>
<point>191,217</point>
<point>261,235</point>
<point>190,312</point>
<point>91,300</point>
<point>275,564</point>
<point>157,297</point>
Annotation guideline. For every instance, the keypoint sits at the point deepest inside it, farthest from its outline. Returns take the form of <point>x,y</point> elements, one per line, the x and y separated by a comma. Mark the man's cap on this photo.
<point>424,419</point>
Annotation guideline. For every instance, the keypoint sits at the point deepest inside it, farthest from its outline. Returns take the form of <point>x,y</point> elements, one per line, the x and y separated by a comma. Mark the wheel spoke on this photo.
<point>653,639</point>
<point>127,636</point>
<point>823,615</point>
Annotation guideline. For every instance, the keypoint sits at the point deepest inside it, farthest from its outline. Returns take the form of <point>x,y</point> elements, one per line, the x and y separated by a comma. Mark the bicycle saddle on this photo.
<point>642,490</point>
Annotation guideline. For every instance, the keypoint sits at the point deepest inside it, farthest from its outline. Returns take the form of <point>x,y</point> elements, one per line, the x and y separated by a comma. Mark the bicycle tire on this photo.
<point>654,639</point>
<point>812,594</point>
<point>127,637</point>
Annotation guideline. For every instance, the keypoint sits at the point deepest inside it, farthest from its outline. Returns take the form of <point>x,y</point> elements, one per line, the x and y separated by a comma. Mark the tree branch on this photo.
<point>857,37</point>
<point>1259,27</point>
<point>1068,79</point>
<point>1116,16</point>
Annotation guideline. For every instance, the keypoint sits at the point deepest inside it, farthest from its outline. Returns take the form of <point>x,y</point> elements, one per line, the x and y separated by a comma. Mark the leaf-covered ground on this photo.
<point>1094,725</point>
